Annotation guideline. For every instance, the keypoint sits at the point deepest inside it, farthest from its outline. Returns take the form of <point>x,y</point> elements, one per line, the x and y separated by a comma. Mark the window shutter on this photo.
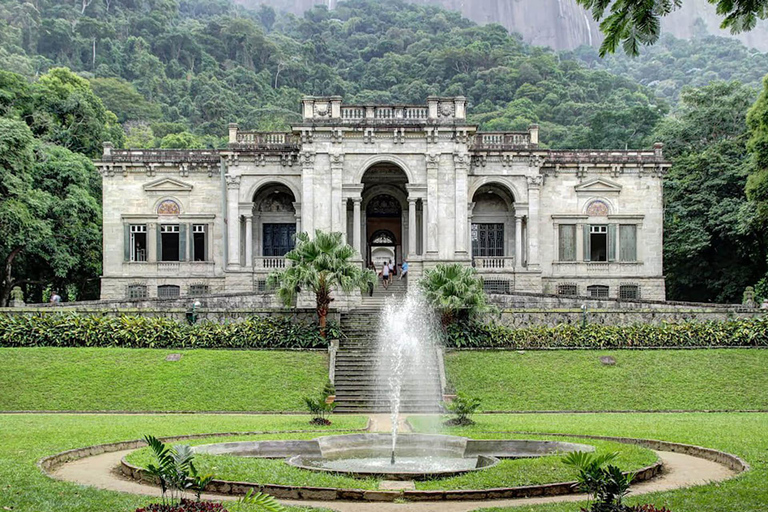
<point>127,244</point>
<point>628,242</point>
<point>611,240</point>
<point>159,233</point>
<point>587,248</point>
<point>182,242</point>
<point>205,243</point>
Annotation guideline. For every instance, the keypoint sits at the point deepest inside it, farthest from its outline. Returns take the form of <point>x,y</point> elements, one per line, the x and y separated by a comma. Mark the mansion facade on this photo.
<point>413,182</point>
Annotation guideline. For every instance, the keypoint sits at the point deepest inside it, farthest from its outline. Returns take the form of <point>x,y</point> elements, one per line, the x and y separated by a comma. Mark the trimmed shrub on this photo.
<point>72,330</point>
<point>732,333</point>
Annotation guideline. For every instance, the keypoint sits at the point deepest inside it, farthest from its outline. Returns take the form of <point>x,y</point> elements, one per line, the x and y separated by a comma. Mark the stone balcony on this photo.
<point>494,264</point>
<point>597,268</point>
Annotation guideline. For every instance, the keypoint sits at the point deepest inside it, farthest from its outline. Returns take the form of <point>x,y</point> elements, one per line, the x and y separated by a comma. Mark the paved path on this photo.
<point>679,471</point>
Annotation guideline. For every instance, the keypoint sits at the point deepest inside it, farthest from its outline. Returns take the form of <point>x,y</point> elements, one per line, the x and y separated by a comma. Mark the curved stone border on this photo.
<point>48,464</point>
<point>293,492</point>
<point>733,462</point>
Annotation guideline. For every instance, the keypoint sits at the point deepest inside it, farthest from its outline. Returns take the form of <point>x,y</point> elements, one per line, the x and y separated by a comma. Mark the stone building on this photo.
<point>399,181</point>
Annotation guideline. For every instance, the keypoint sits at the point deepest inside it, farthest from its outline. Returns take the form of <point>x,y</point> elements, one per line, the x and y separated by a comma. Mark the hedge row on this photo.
<point>72,330</point>
<point>732,333</point>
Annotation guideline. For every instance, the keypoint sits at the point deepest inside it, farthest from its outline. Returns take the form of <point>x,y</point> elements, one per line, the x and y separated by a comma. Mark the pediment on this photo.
<point>599,185</point>
<point>168,185</point>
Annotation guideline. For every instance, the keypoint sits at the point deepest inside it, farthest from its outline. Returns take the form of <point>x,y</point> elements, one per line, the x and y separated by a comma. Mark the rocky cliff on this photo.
<point>561,24</point>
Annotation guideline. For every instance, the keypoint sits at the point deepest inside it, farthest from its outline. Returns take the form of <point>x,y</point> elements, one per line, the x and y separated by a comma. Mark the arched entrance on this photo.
<point>273,230</point>
<point>385,206</point>
<point>493,229</point>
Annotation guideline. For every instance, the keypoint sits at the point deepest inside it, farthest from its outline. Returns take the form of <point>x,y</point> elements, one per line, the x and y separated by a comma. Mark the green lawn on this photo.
<point>642,380</point>
<point>29,437</point>
<point>743,434</point>
<point>508,473</point>
<point>116,379</point>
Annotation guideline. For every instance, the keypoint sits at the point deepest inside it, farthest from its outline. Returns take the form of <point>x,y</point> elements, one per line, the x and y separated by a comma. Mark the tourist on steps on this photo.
<point>403,269</point>
<point>371,266</point>
<point>385,275</point>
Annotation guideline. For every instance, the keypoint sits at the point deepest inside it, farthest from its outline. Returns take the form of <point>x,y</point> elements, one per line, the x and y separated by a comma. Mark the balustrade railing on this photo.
<point>494,262</point>
<point>266,139</point>
<point>269,263</point>
<point>502,140</point>
<point>163,155</point>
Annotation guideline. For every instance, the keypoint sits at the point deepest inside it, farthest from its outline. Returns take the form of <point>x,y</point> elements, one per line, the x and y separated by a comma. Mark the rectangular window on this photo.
<point>138,242</point>
<point>569,290</point>
<point>199,242</point>
<point>198,289</point>
<point>169,242</point>
<point>628,242</point>
<point>629,291</point>
<point>598,243</point>
<point>488,239</point>
<point>597,291</point>
<point>137,291</point>
<point>168,291</point>
<point>567,242</point>
<point>278,239</point>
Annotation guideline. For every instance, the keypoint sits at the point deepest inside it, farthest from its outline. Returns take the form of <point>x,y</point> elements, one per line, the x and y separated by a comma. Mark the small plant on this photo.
<point>606,484</point>
<point>184,506</point>
<point>319,409</point>
<point>175,470</point>
<point>649,508</point>
<point>257,501</point>
<point>462,407</point>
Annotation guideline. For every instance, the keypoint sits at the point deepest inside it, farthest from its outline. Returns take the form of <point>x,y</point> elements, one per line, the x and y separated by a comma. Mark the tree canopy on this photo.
<point>632,23</point>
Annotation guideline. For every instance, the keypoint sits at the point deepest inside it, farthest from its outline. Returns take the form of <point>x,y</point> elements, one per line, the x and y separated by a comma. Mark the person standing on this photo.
<point>371,266</point>
<point>385,275</point>
<point>403,269</point>
<point>55,297</point>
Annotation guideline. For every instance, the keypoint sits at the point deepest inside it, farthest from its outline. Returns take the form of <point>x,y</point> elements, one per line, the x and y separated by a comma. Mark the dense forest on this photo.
<point>173,73</point>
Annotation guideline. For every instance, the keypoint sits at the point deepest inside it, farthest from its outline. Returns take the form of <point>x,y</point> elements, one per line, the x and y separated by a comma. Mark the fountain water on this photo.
<point>407,341</point>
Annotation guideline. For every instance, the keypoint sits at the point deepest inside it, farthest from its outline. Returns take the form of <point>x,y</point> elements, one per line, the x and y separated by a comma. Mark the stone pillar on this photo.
<point>470,212</point>
<point>411,226</point>
<point>518,242</point>
<point>337,212</point>
<point>233,133</point>
<point>356,226</point>
<point>424,226</point>
<point>152,228</point>
<point>534,190</point>
<point>233,221</point>
<point>307,192</point>
<point>297,210</point>
<point>461,164</point>
<point>432,203</point>
<point>249,240</point>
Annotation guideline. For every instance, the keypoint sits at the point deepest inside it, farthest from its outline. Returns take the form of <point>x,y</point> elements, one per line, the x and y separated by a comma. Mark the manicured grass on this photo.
<point>116,379</point>
<point>508,473</point>
<point>28,437</point>
<point>743,434</point>
<point>643,380</point>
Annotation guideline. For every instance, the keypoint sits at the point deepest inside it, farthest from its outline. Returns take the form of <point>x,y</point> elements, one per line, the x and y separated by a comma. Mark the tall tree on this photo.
<point>757,185</point>
<point>711,249</point>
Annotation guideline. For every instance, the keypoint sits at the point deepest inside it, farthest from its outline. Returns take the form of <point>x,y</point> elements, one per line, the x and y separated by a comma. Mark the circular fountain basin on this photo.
<point>417,456</point>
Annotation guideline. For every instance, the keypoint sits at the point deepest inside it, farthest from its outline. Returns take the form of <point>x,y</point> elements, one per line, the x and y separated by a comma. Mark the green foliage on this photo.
<point>320,265</point>
<point>254,501</point>
<point>462,408</point>
<point>319,409</point>
<point>56,330</point>
<point>731,333</point>
<point>455,291</point>
<point>606,484</point>
<point>712,250</point>
<point>632,23</point>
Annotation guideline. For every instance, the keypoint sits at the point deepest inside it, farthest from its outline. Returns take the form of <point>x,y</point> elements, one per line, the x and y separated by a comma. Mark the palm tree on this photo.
<point>320,265</point>
<point>455,291</point>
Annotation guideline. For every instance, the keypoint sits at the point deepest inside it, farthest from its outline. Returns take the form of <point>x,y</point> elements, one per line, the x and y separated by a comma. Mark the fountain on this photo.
<point>407,342</point>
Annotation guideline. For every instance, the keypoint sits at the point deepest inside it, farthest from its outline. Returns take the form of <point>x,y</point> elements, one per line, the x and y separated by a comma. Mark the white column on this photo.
<point>249,240</point>
<point>518,242</point>
<point>343,220</point>
<point>297,209</point>
<point>432,203</point>
<point>411,226</point>
<point>338,206</point>
<point>356,225</point>
<point>307,191</point>
<point>461,163</point>
<point>152,228</point>
<point>233,221</point>
<point>470,212</point>
<point>424,226</point>
<point>534,189</point>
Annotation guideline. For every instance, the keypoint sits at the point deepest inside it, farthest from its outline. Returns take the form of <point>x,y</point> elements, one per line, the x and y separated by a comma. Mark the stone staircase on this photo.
<point>360,388</point>
<point>396,289</point>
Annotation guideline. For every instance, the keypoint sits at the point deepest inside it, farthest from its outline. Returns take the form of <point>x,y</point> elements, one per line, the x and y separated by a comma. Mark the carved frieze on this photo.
<point>535,181</point>
<point>233,182</point>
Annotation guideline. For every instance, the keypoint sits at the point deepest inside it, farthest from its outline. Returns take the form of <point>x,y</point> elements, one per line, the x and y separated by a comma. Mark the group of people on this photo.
<point>388,272</point>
